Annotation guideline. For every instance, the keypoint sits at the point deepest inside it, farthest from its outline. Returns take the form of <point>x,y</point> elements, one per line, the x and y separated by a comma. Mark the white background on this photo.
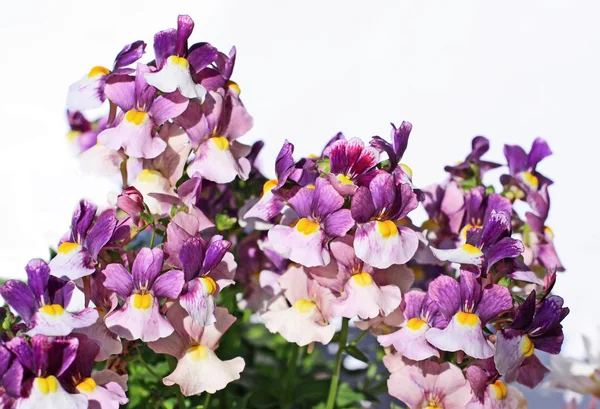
<point>510,71</point>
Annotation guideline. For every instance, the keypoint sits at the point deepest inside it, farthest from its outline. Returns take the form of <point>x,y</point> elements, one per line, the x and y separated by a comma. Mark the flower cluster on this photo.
<point>464,298</point>
<point>459,303</point>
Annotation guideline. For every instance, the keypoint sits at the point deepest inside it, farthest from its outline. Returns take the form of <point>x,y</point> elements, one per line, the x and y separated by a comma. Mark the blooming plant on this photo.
<point>206,284</point>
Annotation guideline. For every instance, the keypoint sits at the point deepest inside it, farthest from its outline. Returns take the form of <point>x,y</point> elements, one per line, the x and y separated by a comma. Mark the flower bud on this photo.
<point>131,202</point>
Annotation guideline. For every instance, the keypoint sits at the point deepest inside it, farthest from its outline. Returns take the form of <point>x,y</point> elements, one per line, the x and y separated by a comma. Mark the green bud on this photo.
<point>224,222</point>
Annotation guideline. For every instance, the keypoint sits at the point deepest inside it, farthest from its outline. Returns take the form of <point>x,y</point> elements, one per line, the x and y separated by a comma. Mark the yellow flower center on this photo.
<point>363,279</point>
<point>148,175</point>
<point>549,232</point>
<point>234,87</point>
<point>181,61</point>
<point>269,185</point>
<point>220,142</point>
<point>98,70</point>
<point>135,117</point>
<point>531,180</point>
<point>500,389</point>
<point>142,301</point>
<point>198,352</point>
<point>418,272</point>
<point>387,228</point>
<point>306,226</point>
<point>345,180</point>
<point>209,284</point>
<point>527,347</point>
<point>53,309</point>
<point>67,247</point>
<point>87,385</point>
<point>467,318</point>
<point>46,385</point>
<point>415,324</point>
<point>470,249</point>
<point>303,306</point>
<point>407,170</point>
<point>311,187</point>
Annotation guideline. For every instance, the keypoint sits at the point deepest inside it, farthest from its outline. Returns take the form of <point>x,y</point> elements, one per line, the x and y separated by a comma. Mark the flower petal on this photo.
<point>381,245</point>
<point>462,335</point>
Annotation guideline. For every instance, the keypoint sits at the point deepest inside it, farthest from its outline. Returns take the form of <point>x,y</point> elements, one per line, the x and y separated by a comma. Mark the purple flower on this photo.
<point>467,307</point>
<point>320,216</point>
<point>78,254</point>
<point>523,174</point>
<point>143,113</point>
<point>89,92</point>
<point>44,360</point>
<point>131,202</point>
<point>176,63</point>
<point>101,393</point>
<point>539,243</point>
<point>420,314</point>
<point>351,163</point>
<point>272,201</point>
<point>207,268</point>
<point>142,291</point>
<point>42,302</point>
<point>379,241</point>
<point>489,391</point>
<point>473,165</point>
<point>395,150</point>
<point>83,132</point>
<point>213,128</point>
<point>488,244</point>
<point>535,325</point>
<point>445,206</point>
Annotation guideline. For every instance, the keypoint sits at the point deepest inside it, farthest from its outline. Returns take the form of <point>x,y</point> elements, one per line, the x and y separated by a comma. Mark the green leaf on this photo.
<point>324,165</point>
<point>354,352</point>
<point>505,282</point>
<point>224,222</point>
<point>347,396</point>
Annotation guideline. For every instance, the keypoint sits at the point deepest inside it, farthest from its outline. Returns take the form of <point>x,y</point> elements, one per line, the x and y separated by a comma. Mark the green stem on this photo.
<point>145,365</point>
<point>180,399</point>
<point>152,237</point>
<point>335,379</point>
<point>206,401</point>
<point>360,337</point>
<point>291,374</point>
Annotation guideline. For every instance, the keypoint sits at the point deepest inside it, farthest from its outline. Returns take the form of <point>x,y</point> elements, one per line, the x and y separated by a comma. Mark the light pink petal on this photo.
<point>71,265</point>
<point>61,324</point>
<point>132,323</point>
<point>305,249</point>
<point>299,325</point>
<point>379,251</point>
<point>461,337</point>
<point>110,344</point>
<point>365,299</point>
<point>411,343</point>
<point>207,374</point>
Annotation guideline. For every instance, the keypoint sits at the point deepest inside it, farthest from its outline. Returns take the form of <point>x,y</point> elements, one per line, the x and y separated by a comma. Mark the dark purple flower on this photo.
<point>89,92</point>
<point>44,360</point>
<point>467,307</point>
<point>473,165</point>
<point>273,197</point>
<point>378,209</point>
<point>207,269</point>
<point>485,245</point>
<point>176,63</point>
<point>78,253</point>
<point>535,325</point>
<point>42,302</point>
<point>523,174</point>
